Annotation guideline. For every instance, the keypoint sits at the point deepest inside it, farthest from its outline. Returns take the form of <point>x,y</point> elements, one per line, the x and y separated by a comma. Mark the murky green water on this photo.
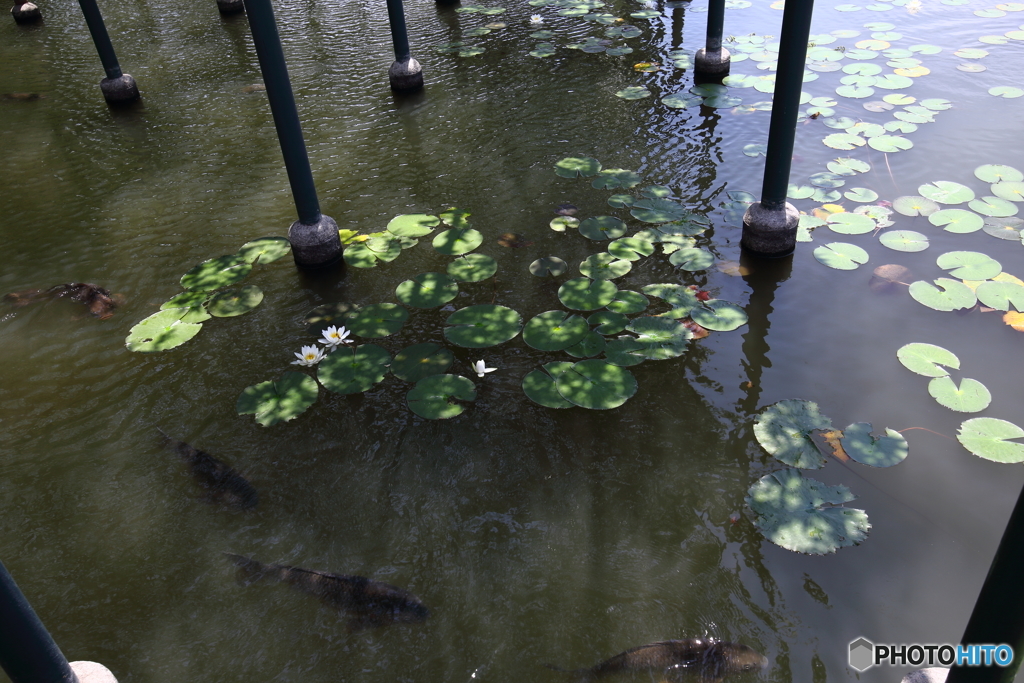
<point>535,536</point>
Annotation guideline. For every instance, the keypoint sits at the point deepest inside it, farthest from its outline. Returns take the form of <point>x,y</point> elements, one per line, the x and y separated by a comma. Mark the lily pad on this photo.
<point>944,295</point>
<point>784,430</point>
<point>572,167</point>
<point>657,210</point>
<point>1010,191</point>
<point>969,265</point>
<point>1000,295</point>
<point>427,290</point>
<point>222,271</point>
<point>376,320</point>
<point>890,143</point>
<point>914,206</point>
<point>613,178</point>
<point>602,228</point>
<point>844,141</point>
<point>850,223</point>
<point>264,250</point>
<point>957,220</point>
<point>791,511</point>
<point>278,401</point>
<point>539,387</point>
<point>584,294</point>
<point>946,192</point>
<point>874,451</point>
<point>659,338</point>
<point>554,330</point>
<point>634,92</point>
<point>718,315</point>
<point>618,201</point>
<point>848,166</point>
<point>434,397</point>
<point>596,384</point>
<point>473,268</point>
<point>457,241</point>
<point>604,266</point>
<point>682,299</point>
<point>560,223</point>
<point>627,302</point>
<point>989,438</point>
<point>996,173</point>
<point>970,397</point>
<point>1008,228</point>
<point>608,322</point>
<point>993,206</point>
<point>904,240</point>
<point>161,331</point>
<point>232,302</point>
<point>416,362</point>
<point>841,255</point>
<point>195,302</point>
<point>413,225</point>
<point>861,194</point>
<point>591,345</point>
<point>483,325</point>
<point>358,255</point>
<point>1006,91</point>
<point>348,370</point>
<point>692,259</point>
<point>927,359</point>
<point>548,265</point>
<point>630,248</point>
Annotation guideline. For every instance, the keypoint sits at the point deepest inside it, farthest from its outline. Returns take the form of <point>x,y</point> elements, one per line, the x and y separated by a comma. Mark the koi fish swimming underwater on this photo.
<point>369,603</point>
<point>700,660</point>
<point>222,483</point>
<point>100,302</point>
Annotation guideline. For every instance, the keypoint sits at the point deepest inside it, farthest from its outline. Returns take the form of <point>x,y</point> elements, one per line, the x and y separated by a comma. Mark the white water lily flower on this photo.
<point>482,369</point>
<point>311,355</point>
<point>536,19</point>
<point>333,336</point>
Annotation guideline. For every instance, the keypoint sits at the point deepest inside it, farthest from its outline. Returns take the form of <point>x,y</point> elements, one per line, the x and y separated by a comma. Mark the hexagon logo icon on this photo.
<point>862,654</point>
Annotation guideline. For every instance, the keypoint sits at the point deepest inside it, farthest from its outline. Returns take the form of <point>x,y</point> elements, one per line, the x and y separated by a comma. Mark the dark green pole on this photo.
<point>712,61</point>
<point>314,237</point>
<point>998,616</point>
<point>117,86</point>
<point>405,73</point>
<point>769,226</point>
<point>27,652</point>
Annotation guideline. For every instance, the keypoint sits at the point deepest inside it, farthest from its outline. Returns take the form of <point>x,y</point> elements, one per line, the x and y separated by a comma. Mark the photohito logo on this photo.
<point>864,654</point>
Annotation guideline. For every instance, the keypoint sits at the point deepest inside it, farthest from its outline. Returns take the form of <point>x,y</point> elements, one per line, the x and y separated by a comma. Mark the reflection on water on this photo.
<point>534,535</point>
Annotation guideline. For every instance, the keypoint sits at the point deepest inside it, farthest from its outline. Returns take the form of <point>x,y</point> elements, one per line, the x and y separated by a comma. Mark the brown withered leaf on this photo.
<point>828,442</point>
<point>698,331</point>
<point>566,210</point>
<point>732,268</point>
<point>887,278</point>
<point>1014,320</point>
<point>514,240</point>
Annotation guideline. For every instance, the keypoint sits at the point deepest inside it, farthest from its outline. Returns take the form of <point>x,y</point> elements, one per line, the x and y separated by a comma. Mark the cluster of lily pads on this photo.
<point>985,437</point>
<point>181,318</point>
<point>799,513</point>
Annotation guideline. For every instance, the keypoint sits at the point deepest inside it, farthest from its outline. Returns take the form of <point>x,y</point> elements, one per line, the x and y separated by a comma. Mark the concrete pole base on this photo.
<point>118,90</point>
<point>26,13</point>
<point>230,6</point>
<point>91,672</point>
<point>770,233</point>
<point>406,76</point>
<point>317,245</point>
<point>712,65</point>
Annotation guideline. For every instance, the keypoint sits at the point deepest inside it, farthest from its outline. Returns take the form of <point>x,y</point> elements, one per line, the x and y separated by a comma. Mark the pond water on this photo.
<point>534,535</point>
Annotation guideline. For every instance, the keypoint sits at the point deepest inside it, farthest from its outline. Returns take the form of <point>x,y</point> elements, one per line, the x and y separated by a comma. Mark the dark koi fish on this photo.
<point>100,302</point>
<point>223,484</point>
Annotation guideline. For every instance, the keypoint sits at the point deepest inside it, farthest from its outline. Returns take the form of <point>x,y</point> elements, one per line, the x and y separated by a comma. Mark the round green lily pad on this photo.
<point>483,325</point>
<point>279,400</point>
<point>434,397</point>
<point>602,228</point>
<point>692,259</point>
<point>969,265</point>
<point>584,294</point>
<point>554,330</point>
<point>996,173</point>
<point>634,92</point>
<point>560,223</point>
<point>627,302</point>
<point>927,359</point>
<point>718,315</point>
<point>841,255</point>
<point>222,271</point>
<point>596,384</point>
<point>844,141</point>
<point>957,220</point>
<point>614,178</point>
<point>264,250</point>
<point>415,362</point>
<point>944,295</point>
<point>850,223</point>
<point>630,248</point>
<point>358,255</point>
<point>682,299</point>
<point>1008,228</point>
<point>427,290</point>
<point>472,268</point>
<point>548,265</point>
<point>161,331</point>
<point>608,322</point>
<point>970,397</point>
<point>385,246</point>
<point>604,266</point>
<point>791,512</point>
<point>946,192</point>
<point>658,210</point>
<point>625,351</point>
<point>904,240</point>
<point>861,194</point>
<point>1009,190</point>
<point>784,428</point>
<point>232,302</point>
<point>914,206</point>
<point>989,438</point>
<point>413,225</point>
<point>540,388</point>
<point>660,338</point>
<point>195,302</point>
<point>618,201</point>
<point>1006,91</point>
<point>993,206</point>
<point>376,320</point>
<point>457,241</point>
<point>348,370</point>
<point>1000,295</point>
<point>890,143</point>
<point>874,451</point>
<point>681,101</point>
<point>591,345</point>
<point>848,166</point>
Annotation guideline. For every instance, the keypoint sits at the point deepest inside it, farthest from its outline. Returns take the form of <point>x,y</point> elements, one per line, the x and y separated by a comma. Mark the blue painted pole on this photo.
<point>27,652</point>
<point>117,86</point>
<point>314,237</point>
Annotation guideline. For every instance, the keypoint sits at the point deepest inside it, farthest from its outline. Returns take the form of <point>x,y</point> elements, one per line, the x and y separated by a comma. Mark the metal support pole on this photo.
<point>27,652</point>
<point>769,226</point>
<point>314,237</point>
<point>405,73</point>
<point>117,86</point>
<point>998,616</point>
<point>712,60</point>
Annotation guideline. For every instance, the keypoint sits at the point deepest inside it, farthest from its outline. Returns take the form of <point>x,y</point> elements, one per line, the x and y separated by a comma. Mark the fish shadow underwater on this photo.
<point>367,603</point>
<point>221,483</point>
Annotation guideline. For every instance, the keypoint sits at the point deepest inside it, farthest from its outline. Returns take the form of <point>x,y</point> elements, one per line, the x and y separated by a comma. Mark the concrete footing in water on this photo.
<point>26,13</point>
<point>231,6</point>
<point>316,245</point>
<point>92,672</point>
<point>406,76</point>
<point>121,89</point>
<point>713,64</point>
<point>770,233</point>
